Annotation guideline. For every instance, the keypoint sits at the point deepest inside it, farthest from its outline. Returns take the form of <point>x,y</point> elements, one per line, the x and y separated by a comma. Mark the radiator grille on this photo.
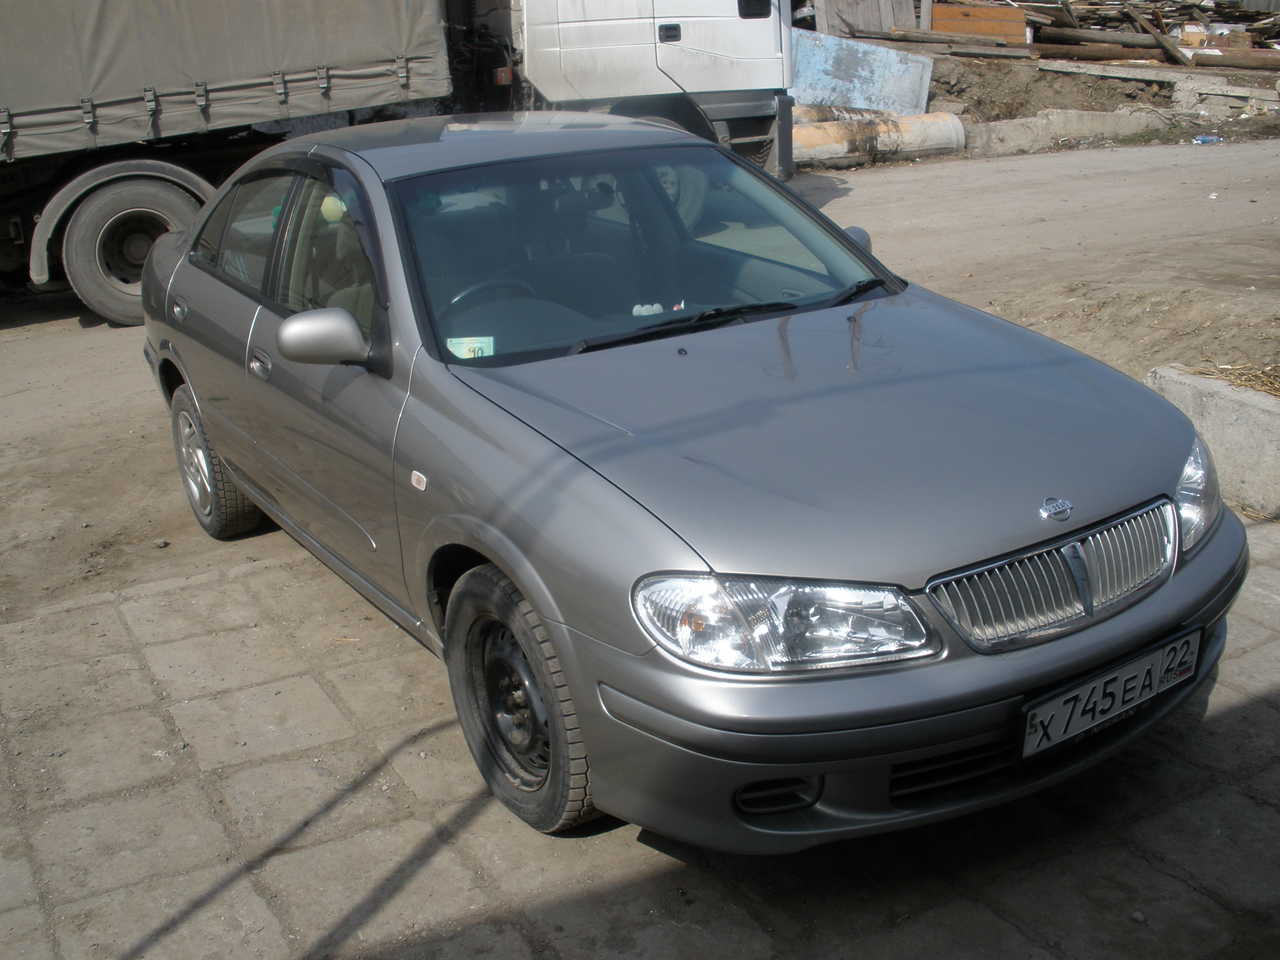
<point>1051,591</point>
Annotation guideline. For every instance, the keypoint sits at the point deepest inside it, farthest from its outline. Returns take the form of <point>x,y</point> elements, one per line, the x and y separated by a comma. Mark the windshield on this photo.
<point>532,259</point>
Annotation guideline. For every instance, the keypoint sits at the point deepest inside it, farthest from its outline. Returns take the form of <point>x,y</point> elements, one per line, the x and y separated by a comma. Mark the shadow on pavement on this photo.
<point>19,308</point>
<point>1087,855</point>
<point>367,906</point>
<point>820,189</point>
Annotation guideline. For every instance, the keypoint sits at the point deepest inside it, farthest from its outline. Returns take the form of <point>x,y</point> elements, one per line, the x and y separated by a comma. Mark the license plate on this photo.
<point>1068,713</point>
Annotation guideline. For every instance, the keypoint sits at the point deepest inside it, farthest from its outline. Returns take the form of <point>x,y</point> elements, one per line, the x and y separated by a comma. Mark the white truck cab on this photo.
<point>720,68</point>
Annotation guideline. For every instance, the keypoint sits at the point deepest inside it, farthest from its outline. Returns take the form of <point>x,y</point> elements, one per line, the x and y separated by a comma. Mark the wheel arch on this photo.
<point>171,378</point>
<point>171,373</point>
<point>454,545</point>
<point>676,107</point>
<point>62,203</point>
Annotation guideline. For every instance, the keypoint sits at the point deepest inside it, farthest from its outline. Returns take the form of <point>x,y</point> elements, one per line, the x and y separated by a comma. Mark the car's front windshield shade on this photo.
<point>524,260</point>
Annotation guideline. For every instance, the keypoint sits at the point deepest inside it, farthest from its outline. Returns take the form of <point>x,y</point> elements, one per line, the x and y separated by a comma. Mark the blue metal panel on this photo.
<point>833,71</point>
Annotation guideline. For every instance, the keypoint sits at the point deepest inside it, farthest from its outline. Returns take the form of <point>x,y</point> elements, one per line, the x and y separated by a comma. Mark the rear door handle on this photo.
<point>179,309</point>
<point>668,32</point>
<point>260,364</point>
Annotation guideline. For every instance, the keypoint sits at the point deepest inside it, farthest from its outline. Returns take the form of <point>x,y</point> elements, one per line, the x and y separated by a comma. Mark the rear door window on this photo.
<point>237,242</point>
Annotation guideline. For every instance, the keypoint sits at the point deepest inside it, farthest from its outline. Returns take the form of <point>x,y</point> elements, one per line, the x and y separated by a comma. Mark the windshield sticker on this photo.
<point>470,348</point>
<point>646,309</point>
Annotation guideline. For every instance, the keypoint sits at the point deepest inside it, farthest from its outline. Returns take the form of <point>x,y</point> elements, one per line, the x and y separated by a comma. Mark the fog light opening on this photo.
<point>778,796</point>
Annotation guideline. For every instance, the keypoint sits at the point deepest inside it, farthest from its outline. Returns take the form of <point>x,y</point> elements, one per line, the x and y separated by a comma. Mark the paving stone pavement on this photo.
<point>255,763</point>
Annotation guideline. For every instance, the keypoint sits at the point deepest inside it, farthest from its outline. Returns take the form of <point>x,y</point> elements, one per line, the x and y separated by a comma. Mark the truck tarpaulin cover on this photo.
<point>75,73</point>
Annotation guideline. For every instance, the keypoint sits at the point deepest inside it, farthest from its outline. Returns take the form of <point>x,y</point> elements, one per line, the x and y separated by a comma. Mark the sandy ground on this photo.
<point>1003,89</point>
<point>1140,256</point>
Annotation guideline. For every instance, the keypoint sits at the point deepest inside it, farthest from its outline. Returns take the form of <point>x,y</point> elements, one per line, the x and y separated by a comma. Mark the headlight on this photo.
<point>1197,495</point>
<point>766,625</point>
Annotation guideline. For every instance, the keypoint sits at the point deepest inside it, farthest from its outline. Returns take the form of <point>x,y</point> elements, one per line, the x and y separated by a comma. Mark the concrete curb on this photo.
<point>858,137</point>
<point>1242,428</point>
<point>1002,138</point>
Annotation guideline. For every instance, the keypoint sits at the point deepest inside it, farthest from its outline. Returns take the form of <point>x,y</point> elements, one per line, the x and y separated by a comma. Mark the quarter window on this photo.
<point>326,261</point>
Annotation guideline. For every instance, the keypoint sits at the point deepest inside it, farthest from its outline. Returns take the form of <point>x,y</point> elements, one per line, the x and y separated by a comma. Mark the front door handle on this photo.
<point>179,309</point>
<point>260,364</point>
<point>668,32</point>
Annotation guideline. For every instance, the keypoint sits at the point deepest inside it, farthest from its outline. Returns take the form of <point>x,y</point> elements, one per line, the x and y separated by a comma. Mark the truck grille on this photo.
<point>1042,594</point>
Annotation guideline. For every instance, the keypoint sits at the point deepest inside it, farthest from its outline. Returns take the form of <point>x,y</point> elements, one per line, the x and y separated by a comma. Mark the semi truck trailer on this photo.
<point>119,118</point>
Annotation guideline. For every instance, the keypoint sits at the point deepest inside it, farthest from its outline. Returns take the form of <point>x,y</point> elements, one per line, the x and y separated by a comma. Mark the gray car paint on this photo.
<point>888,441</point>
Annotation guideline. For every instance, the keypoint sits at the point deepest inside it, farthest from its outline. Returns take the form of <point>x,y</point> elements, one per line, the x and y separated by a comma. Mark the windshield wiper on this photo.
<point>850,294</point>
<point>706,320</point>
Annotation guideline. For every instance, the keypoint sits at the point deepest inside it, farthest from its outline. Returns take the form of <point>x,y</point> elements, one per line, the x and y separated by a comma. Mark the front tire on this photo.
<point>219,505</point>
<point>109,236</point>
<point>514,704</point>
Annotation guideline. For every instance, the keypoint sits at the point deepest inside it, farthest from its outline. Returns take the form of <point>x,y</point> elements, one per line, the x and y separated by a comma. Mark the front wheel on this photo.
<point>514,704</point>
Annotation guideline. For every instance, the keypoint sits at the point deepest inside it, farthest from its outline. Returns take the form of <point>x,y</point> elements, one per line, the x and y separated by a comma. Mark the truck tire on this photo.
<point>108,237</point>
<point>513,703</point>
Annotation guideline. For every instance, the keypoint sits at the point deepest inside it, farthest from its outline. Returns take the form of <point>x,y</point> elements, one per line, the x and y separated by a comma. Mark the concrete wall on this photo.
<point>1242,428</point>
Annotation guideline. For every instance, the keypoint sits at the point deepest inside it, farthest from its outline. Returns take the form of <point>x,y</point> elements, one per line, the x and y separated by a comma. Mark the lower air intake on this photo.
<point>779,796</point>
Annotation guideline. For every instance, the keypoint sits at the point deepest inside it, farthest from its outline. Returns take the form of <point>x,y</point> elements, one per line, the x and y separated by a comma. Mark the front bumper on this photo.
<point>769,766</point>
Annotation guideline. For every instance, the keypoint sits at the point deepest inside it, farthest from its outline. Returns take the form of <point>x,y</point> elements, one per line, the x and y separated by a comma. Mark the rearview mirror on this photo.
<point>860,237</point>
<point>327,335</point>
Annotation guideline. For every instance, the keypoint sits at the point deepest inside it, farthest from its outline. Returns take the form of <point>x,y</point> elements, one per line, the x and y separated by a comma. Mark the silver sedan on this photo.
<point>719,525</point>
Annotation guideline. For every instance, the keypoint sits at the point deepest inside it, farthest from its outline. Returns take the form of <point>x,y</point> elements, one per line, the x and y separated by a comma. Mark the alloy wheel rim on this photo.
<point>195,465</point>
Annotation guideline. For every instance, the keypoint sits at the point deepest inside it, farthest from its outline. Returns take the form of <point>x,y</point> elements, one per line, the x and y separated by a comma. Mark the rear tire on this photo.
<point>219,505</point>
<point>514,704</point>
<point>108,238</point>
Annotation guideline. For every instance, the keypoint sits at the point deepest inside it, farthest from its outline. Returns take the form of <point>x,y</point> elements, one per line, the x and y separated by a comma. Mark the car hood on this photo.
<point>887,441</point>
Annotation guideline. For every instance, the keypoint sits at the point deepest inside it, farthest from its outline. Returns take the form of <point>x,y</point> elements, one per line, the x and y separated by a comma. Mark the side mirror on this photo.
<point>860,237</point>
<point>327,335</point>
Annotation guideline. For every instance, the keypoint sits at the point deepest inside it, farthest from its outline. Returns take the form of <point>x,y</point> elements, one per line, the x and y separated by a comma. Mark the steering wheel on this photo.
<point>501,283</point>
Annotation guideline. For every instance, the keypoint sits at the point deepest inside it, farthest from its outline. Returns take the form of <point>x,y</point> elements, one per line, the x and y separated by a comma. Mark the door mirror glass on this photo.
<point>328,335</point>
<point>860,237</point>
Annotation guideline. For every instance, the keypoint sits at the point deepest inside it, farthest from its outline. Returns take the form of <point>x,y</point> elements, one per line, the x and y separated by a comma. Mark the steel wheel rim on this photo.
<point>195,465</point>
<point>123,243</point>
<point>512,709</point>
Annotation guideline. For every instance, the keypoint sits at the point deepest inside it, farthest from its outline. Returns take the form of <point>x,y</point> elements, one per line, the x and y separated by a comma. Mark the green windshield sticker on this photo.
<point>469,348</point>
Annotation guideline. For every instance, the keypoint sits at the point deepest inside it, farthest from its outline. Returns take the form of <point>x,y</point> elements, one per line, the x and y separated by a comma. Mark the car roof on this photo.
<point>394,148</point>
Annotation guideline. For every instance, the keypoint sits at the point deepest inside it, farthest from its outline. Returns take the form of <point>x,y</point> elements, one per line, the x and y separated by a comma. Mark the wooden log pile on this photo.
<point>1218,33</point>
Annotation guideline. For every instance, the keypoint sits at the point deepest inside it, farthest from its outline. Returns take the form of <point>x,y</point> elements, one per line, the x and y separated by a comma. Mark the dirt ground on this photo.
<point>85,500</point>
<point>1004,89</point>
<point>1138,330</point>
<point>1007,89</point>
<point>1140,256</point>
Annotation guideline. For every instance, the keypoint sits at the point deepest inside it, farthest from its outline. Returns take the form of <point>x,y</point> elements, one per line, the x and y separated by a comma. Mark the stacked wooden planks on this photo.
<point>1176,31</point>
<point>1003,22</point>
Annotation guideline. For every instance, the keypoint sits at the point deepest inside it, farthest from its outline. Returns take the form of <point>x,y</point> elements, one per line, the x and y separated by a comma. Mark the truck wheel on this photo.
<point>513,703</point>
<point>107,241</point>
<point>219,505</point>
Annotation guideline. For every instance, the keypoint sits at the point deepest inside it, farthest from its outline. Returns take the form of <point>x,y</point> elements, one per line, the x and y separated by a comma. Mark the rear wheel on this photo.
<point>108,238</point>
<point>219,505</point>
<point>514,704</point>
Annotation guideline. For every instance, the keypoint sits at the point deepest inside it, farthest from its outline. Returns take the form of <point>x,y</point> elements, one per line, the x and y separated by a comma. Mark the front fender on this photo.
<point>573,543</point>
